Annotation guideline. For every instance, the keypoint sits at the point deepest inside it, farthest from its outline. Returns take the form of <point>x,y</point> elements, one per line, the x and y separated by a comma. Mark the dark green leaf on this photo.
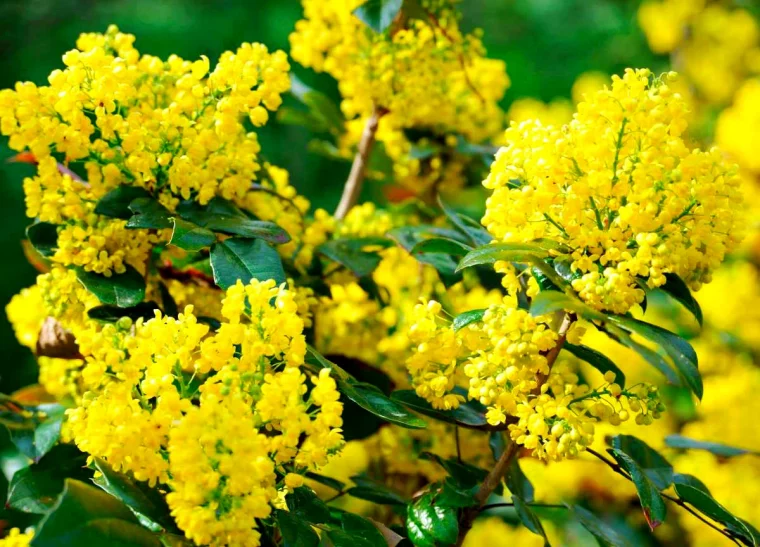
<point>245,259</point>
<point>36,488</point>
<point>361,531</point>
<point>509,252</point>
<point>115,204</point>
<point>529,519</point>
<point>676,288</point>
<point>547,302</point>
<point>466,318</point>
<point>167,301</point>
<point>476,234</point>
<point>450,494</point>
<point>292,116</point>
<point>190,237</point>
<point>111,314</point>
<point>149,214</point>
<point>598,360</point>
<point>295,532</point>
<point>349,252</point>
<point>604,533</point>
<point>518,483</point>
<point>324,115</point>
<point>220,215</point>
<point>463,475</point>
<point>373,400</point>
<point>124,290</point>
<point>137,496</point>
<point>47,433</point>
<point>85,515</point>
<point>466,415</point>
<point>410,236</point>
<point>657,468</point>
<point>305,504</point>
<point>441,245</point>
<point>330,482</point>
<point>370,490</point>
<point>707,505</point>
<point>44,237</point>
<point>378,14</point>
<point>719,449</point>
<point>651,501</point>
<point>649,355</point>
<point>679,350</point>
<point>497,444</point>
<point>430,525</point>
<point>690,480</point>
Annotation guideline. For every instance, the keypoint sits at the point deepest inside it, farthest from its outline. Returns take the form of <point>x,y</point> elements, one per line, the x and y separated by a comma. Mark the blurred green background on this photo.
<point>546,44</point>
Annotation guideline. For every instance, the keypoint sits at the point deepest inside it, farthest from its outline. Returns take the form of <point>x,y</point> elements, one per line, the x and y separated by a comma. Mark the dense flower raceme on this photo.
<point>620,188</point>
<point>423,73</point>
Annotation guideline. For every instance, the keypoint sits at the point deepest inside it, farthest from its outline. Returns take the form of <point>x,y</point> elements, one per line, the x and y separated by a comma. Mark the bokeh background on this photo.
<point>546,44</point>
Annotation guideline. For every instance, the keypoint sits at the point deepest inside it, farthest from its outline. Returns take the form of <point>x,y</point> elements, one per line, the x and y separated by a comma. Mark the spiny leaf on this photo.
<point>190,237</point>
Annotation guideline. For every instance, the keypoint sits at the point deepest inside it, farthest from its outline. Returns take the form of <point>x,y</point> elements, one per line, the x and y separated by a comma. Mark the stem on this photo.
<point>619,470</point>
<point>493,479</point>
<point>353,186</point>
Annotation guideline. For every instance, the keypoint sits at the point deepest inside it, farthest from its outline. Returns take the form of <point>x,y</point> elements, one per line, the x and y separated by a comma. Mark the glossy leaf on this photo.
<point>245,259</point>
<point>651,501</point>
<point>44,237</point>
<point>123,290</point>
<point>441,245</point>
<point>603,532</point>
<point>476,234</point>
<point>509,252</point>
<point>547,302</point>
<point>463,475</point>
<point>349,252</point>
<point>719,449</point>
<point>370,490</point>
<point>529,519</point>
<point>467,318</point>
<point>378,14</point>
<point>466,415</point>
<point>115,204</point>
<point>137,496</point>
<point>111,314</point>
<point>598,360</point>
<point>330,482</point>
<point>430,525</point>
<point>149,214</point>
<point>361,531</point>
<point>189,236</point>
<point>410,236</point>
<point>676,288</point>
<point>295,531</point>
<point>518,483</point>
<point>305,504</point>
<point>657,468</point>
<point>679,350</point>
<point>85,515</point>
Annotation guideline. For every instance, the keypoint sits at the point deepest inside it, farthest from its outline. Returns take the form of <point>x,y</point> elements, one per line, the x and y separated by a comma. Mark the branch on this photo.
<point>494,477</point>
<point>619,470</point>
<point>353,186</point>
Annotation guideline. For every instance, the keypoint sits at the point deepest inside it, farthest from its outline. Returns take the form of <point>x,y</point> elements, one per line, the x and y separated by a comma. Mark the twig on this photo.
<point>619,470</point>
<point>493,479</point>
<point>353,186</point>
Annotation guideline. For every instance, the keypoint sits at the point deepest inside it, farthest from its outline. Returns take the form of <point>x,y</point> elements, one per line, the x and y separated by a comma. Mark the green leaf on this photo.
<point>85,515</point>
<point>295,532</point>
<point>367,396</point>
<point>463,475</point>
<point>305,504</point>
<point>430,525</point>
<point>245,259</point>
<point>115,204</point>
<point>220,215</point>
<point>690,480</point>
<point>441,245</point>
<point>679,350</point>
<point>410,236</point>
<point>719,449</point>
<point>509,252</point>
<point>651,501</point>
<point>598,360</point>
<point>44,237</point>
<point>467,414</point>
<point>370,490</point>
<point>649,355</point>
<point>149,214</point>
<point>547,302</point>
<point>703,502</point>
<point>36,488</point>
<point>124,290</point>
<point>518,483</point>
<point>476,234</point>
<point>47,433</point>
<point>36,429</point>
<point>450,494</point>
<point>111,314</point>
<point>676,288</point>
<point>657,468</point>
<point>378,14</point>
<point>190,237</point>
<point>529,519</point>
<point>604,533</point>
<point>324,115</point>
<point>137,496</point>
<point>330,482</point>
<point>361,531</point>
<point>349,252</point>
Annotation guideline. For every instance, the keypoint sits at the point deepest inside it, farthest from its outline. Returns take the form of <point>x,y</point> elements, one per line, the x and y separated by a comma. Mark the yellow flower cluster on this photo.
<point>422,73</point>
<point>736,130</point>
<point>716,46</point>
<point>17,538</point>
<point>621,189</point>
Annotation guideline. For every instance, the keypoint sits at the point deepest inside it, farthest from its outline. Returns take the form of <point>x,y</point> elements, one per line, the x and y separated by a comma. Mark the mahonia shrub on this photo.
<point>221,364</point>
